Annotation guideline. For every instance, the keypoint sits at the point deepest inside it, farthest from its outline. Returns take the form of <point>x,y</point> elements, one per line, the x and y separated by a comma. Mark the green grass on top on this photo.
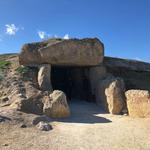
<point>4,64</point>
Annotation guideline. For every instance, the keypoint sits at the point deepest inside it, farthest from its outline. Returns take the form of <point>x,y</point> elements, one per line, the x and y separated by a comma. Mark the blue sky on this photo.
<point>122,25</point>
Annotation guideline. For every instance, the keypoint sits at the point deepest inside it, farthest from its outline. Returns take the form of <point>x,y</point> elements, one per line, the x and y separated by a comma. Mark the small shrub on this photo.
<point>4,64</point>
<point>22,70</point>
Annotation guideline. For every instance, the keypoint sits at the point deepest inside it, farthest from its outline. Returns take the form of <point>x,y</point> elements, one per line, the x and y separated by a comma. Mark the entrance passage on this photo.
<point>73,81</point>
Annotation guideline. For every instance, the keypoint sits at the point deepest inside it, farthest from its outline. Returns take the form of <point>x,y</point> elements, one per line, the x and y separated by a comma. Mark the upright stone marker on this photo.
<point>44,77</point>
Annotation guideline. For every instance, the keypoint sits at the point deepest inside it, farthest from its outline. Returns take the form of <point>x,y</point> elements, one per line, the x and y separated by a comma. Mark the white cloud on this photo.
<point>66,37</point>
<point>11,29</point>
<point>43,35</point>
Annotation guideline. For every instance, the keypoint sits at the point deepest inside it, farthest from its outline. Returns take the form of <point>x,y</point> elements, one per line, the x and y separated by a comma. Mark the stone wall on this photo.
<point>136,74</point>
<point>80,70</point>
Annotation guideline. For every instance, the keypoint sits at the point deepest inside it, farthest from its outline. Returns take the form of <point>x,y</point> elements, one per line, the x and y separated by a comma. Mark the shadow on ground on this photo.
<point>85,112</point>
<point>81,112</point>
<point>85,118</point>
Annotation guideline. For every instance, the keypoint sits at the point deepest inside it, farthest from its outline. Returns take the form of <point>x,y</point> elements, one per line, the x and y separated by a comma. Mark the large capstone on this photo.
<point>72,52</point>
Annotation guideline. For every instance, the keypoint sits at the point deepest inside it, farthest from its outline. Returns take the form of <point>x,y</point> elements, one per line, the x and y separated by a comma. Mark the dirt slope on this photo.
<point>87,129</point>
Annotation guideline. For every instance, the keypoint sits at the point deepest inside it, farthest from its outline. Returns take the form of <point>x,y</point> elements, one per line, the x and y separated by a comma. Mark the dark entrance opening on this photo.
<point>73,81</point>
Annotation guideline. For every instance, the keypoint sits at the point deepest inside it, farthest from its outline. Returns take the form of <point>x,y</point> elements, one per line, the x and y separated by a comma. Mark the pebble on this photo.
<point>43,126</point>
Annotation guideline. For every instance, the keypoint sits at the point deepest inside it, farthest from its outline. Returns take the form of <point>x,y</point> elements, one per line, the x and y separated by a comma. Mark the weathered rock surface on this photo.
<point>75,52</point>
<point>30,102</point>
<point>56,106</point>
<point>40,118</point>
<point>126,63</point>
<point>110,94</point>
<point>135,74</point>
<point>44,77</point>
<point>138,103</point>
<point>96,74</point>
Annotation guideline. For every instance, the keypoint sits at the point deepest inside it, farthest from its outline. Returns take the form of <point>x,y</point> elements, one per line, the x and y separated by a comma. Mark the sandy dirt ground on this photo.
<point>88,128</point>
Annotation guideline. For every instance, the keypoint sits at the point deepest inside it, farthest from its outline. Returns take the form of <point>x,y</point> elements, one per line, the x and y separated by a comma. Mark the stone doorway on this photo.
<point>73,81</point>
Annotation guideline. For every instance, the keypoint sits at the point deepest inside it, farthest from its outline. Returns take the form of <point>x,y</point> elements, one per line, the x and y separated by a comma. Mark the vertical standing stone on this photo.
<point>44,77</point>
<point>110,94</point>
<point>107,90</point>
<point>95,75</point>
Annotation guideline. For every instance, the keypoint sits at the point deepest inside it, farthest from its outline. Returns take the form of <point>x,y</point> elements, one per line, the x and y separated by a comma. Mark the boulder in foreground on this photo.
<point>138,103</point>
<point>43,126</point>
<point>72,52</point>
<point>110,94</point>
<point>56,106</point>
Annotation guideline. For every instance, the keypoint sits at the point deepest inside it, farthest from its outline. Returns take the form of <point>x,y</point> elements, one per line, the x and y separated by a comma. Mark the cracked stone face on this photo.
<point>73,52</point>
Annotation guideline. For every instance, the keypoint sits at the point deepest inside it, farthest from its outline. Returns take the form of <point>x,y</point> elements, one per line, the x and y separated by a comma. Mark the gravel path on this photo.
<point>88,128</point>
